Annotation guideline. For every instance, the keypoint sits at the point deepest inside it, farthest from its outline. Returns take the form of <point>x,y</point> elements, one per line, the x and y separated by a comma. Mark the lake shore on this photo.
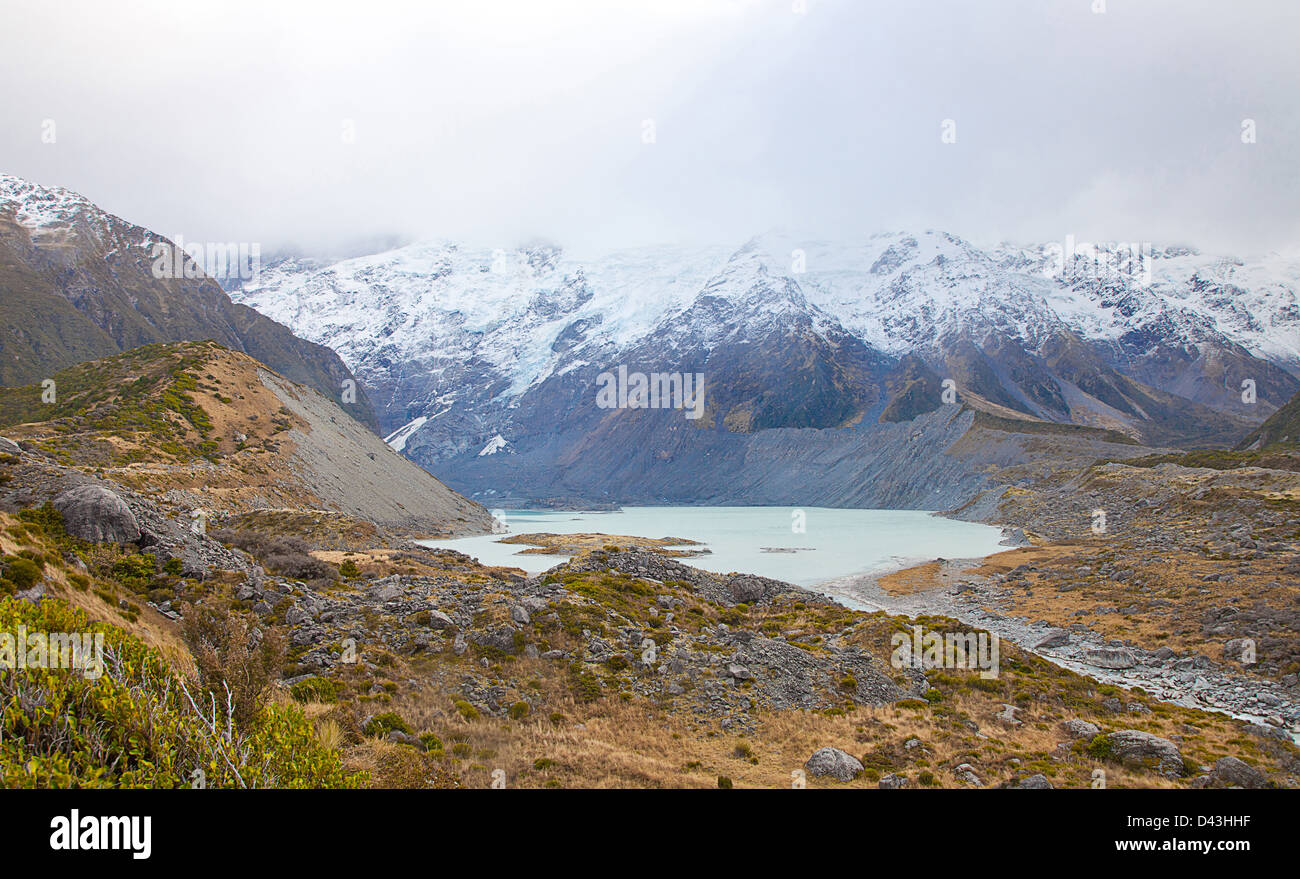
<point>972,591</point>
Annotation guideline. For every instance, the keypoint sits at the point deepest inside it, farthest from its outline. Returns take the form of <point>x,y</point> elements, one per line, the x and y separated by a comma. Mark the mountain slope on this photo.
<point>1282,427</point>
<point>77,283</point>
<point>486,364</point>
<point>203,427</point>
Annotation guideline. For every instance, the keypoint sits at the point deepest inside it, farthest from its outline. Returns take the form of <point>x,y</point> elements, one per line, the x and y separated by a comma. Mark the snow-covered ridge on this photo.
<point>463,321</point>
<point>504,308</point>
<point>37,206</point>
<point>531,313</point>
<point>45,211</point>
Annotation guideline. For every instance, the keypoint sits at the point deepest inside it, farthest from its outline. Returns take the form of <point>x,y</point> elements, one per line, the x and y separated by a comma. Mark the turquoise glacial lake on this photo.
<point>804,546</point>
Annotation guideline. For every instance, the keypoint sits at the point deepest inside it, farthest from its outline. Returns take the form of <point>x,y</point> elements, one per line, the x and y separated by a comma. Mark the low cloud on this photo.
<point>598,124</point>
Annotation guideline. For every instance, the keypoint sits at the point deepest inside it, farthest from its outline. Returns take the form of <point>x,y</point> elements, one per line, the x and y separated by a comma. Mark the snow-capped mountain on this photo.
<point>78,283</point>
<point>486,362</point>
<point>896,292</point>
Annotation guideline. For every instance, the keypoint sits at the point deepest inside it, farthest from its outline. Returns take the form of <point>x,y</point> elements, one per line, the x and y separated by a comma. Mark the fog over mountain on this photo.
<point>322,125</point>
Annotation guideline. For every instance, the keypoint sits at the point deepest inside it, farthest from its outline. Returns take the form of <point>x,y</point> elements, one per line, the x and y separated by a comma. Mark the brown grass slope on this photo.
<point>213,428</point>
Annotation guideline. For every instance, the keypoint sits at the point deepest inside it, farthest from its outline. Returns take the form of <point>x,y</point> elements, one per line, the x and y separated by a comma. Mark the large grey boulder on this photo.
<point>92,512</point>
<point>1137,748</point>
<point>1110,657</point>
<point>1014,537</point>
<point>1081,729</point>
<point>748,589</point>
<point>1232,772</point>
<point>1034,782</point>
<point>439,620</point>
<point>1054,638</point>
<point>499,638</point>
<point>835,763</point>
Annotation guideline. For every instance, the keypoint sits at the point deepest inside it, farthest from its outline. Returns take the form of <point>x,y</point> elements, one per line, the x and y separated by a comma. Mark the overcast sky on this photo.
<point>498,121</point>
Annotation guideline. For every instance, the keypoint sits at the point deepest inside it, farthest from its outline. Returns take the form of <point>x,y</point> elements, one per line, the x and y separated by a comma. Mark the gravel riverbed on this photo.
<point>1192,681</point>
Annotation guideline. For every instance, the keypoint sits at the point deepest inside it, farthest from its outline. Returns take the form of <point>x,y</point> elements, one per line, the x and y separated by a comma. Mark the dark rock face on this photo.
<point>914,389</point>
<point>1281,428</point>
<point>92,512</point>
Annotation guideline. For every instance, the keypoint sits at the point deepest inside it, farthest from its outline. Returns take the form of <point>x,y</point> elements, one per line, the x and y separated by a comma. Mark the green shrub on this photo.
<point>586,687</point>
<point>315,689</point>
<point>382,724</point>
<point>23,573</point>
<point>44,518</point>
<point>1100,747</point>
<point>135,571</point>
<point>135,726</point>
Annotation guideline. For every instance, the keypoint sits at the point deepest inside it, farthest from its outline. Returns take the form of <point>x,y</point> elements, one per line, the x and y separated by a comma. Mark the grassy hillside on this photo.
<point>213,428</point>
<point>1281,429</point>
<point>135,406</point>
<point>141,718</point>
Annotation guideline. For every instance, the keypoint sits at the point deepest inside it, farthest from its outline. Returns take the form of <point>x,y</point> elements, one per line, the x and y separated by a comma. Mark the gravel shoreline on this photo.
<point>1191,681</point>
